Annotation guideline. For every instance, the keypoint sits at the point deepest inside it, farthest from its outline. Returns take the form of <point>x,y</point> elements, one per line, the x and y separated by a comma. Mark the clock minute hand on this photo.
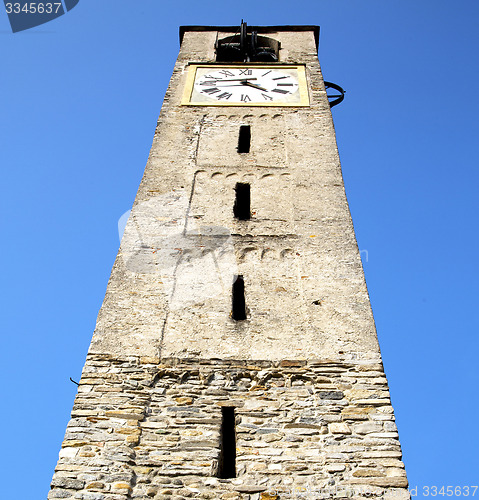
<point>234,79</point>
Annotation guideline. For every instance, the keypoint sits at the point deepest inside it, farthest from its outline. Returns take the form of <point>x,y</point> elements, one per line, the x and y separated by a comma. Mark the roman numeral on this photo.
<point>210,77</point>
<point>267,97</point>
<point>245,98</point>
<point>280,77</point>
<point>211,91</point>
<point>281,91</point>
<point>226,72</point>
<point>208,82</point>
<point>245,72</point>
<point>224,95</point>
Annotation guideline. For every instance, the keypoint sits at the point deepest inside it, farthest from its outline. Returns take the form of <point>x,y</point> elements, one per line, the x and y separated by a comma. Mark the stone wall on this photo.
<point>150,428</point>
<point>166,355</point>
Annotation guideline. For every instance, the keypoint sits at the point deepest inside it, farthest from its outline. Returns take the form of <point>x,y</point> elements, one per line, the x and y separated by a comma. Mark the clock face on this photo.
<point>247,85</point>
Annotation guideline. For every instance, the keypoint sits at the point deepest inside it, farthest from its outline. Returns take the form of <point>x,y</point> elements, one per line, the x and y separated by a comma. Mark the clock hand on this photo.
<point>232,85</point>
<point>232,79</point>
<point>254,86</point>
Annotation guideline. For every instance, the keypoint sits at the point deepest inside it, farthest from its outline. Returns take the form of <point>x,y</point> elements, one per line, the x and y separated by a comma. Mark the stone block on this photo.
<point>335,467</point>
<point>368,473</point>
<point>60,493</point>
<point>367,428</point>
<point>339,428</point>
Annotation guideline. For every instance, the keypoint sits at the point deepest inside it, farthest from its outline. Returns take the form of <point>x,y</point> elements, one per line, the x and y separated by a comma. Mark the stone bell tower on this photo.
<point>235,355</point>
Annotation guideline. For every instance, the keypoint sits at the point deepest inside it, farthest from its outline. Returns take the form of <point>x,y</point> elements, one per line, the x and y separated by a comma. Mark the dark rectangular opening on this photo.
<point>242,206</point>
<point>227,462</point>
<point>244,139</point>
<point>239,302</point>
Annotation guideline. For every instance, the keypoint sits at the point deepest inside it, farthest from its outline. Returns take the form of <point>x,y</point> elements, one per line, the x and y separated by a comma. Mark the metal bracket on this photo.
<point>334,98</point>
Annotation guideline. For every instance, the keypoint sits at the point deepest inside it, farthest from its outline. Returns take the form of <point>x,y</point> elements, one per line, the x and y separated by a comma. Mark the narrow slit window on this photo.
<point>244,139</point>
<point>227,462</point>
<point>242,206</point>
<point>239,302</point>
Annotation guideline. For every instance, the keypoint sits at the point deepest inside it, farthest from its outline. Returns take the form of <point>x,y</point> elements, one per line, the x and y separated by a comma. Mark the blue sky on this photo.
<point>80,97</point>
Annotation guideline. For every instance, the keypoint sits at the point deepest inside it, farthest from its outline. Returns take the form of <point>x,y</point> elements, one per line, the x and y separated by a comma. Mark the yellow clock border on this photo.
<point>191,76</point>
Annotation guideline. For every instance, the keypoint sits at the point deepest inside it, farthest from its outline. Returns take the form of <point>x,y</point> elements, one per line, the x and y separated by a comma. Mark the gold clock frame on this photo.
<point>191,77</point>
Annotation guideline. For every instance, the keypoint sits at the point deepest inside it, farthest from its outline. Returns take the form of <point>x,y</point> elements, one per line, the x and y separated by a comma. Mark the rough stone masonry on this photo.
<point>303,371</point>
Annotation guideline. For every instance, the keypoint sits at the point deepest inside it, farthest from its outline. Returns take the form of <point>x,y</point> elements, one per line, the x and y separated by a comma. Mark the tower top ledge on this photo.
<point>259,29</point>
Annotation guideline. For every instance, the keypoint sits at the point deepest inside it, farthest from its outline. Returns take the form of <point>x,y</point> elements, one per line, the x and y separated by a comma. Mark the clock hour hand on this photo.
<point>254,86</point>
<point>230,85</point>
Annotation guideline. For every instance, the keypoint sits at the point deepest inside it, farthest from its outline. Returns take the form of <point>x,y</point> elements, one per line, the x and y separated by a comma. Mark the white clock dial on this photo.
<point>246,85</point>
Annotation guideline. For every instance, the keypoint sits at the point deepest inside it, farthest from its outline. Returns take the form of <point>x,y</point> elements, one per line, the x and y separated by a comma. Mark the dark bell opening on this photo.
<point>227,461</point>
<point>239,302</point>
<point>242,205</point>
<point>247,47</point>
<point>244,139</point>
